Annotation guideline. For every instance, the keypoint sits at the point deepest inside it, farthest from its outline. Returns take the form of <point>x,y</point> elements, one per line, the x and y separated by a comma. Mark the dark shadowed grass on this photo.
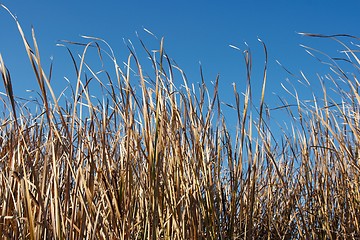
<point>153,160</point>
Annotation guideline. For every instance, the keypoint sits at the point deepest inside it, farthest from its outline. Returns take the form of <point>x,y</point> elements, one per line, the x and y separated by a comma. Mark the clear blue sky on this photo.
<point>194,31</point>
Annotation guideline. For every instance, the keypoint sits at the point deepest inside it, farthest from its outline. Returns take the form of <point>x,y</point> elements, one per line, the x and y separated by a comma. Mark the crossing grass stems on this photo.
<point>155,160</point>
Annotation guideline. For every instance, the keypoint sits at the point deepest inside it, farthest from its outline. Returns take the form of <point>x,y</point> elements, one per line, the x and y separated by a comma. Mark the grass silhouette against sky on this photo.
<point>153,156</point>
<point>194,31</point>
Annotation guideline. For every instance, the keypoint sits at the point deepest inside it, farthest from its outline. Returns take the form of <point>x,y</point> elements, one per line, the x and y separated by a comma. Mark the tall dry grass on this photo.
<point>152,160</point>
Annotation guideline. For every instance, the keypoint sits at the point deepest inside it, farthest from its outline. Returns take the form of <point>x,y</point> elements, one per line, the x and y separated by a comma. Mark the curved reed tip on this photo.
<point>12,15</point>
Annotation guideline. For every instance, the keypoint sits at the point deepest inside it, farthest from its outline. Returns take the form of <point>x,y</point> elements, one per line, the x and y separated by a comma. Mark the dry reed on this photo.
<point>155,161</point>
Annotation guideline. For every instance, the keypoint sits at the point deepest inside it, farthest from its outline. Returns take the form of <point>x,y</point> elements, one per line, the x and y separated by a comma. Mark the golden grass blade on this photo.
<point>150,160</point>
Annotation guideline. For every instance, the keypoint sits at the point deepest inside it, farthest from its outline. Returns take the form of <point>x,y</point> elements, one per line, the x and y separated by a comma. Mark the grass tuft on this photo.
<point>152,160</point>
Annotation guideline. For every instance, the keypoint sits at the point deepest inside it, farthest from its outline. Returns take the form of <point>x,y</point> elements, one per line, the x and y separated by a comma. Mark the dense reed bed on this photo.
<point>152,159</point>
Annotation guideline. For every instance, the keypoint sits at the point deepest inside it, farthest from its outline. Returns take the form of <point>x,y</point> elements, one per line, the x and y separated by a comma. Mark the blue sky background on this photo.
<point>194,31</point>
